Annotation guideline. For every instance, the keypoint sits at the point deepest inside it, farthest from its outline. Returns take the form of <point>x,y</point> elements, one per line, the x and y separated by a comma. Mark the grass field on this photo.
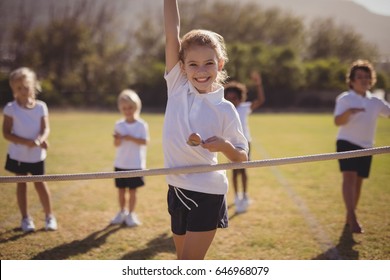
<point>296,212</point>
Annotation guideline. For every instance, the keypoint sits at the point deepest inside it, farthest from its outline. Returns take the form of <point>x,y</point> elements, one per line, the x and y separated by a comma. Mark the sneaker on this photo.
<point>119,218</point>
<point>51,223</point>
<point>245,204</point>
<point>239,205</point>
<point>28,224</point>
<point>132,220</point>
<point>236,200</point>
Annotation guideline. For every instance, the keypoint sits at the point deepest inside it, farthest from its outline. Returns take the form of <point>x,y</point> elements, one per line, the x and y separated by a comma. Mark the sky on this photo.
<point>381,7</point>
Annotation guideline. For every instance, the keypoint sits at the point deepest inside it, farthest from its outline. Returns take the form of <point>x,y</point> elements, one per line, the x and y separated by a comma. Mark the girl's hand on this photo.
<point>117,138</point>
<point>45,145</point>
<point>256,77</point>
<point>214,144</point>
<point>219,144</point>
<point>116,135</point>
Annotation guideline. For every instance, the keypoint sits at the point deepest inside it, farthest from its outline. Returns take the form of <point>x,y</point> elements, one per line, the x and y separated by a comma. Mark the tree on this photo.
<point>327,40</point>
<point>76,54</point>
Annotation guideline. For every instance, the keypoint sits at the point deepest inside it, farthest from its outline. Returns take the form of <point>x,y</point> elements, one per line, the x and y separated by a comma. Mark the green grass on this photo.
<point>297,211</point>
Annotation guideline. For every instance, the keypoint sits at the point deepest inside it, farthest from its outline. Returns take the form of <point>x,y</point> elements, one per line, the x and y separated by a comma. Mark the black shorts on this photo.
<point>209,214</point>
<point>24,168</point>
<point>361,165</point>
<point>131,183</point>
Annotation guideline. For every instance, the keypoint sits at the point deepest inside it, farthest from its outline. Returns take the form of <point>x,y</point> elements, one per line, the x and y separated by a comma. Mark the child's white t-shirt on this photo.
<point>130,155</point>
<point>209,114</point>
<point>26,123</point>
<point>361,127</point>
<point>244,110</point>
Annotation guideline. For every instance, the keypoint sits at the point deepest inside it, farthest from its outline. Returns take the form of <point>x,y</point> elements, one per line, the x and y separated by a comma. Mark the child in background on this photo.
<point>26,127</point>
<point>130,138</point>
<point>237,94</point>
<point>356,113</point>
<point>194,73</point>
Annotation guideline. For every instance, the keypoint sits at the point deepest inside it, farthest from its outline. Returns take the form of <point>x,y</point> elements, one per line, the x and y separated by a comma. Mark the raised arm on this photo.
<point>260,97</point>
<point>172,33</point>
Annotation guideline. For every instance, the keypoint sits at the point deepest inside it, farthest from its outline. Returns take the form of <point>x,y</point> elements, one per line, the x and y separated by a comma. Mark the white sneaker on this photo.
<point>132,220</point>
<point>245,204</point>
<point>51,223</point>
<point>238,202</point>
<point>119,218</point>
<point>28,224</point>
<point>240,207</point>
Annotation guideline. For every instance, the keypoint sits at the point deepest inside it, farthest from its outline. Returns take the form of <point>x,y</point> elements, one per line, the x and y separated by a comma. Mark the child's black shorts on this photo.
<point>209,214</point>
<point>131,183</point>
<point>24,168</point>
<point>361,165</point>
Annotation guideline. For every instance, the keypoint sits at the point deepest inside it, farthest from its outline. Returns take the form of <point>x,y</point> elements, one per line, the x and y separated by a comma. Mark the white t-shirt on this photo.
<point>130,155</point>
<point>361,127</point>
<point>244,110</point>
<point>26,123</point>
<point>209,114</point>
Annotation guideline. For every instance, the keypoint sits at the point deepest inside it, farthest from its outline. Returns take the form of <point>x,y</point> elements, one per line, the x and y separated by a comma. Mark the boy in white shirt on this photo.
<point>356,114</point>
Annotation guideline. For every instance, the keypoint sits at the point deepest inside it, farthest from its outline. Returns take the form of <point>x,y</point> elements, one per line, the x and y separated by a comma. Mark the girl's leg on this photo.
<point>359,184</point>
<point>244,180</point>
<point>44,196</point>
<point>235,181</point>
<point>132,199</point>
<point>195,245</point>
<point>350,195</point>
<point>21,196</point>
<point>179,244</point>
<point>122,198</point>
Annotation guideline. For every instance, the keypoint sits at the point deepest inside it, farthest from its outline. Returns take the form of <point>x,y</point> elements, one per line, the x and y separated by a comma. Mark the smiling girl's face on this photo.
<point>201,65</point>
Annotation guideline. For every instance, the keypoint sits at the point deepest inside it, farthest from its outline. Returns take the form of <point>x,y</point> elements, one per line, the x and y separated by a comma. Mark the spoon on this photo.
<point>194,140</point>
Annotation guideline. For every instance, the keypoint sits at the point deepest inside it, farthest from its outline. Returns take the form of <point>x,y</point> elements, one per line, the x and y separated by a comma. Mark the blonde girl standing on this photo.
<point>26,127</point>
<point>130,139</point>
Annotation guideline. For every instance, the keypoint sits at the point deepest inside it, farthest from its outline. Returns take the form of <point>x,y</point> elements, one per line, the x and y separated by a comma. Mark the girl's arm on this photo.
<point>344,117</point>
<point>44,133</point>
<point>8,135</point>
<point>139,141</point>
<point>117,139</point>
<point>219,144</point>
<point>260,98</point>
<point>172,30</point>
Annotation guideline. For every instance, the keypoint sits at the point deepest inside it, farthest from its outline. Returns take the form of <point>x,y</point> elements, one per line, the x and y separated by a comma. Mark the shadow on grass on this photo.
<point>76,247</point>
<point>19,234</point>
<point>343,250</point>
<point>162,243</point>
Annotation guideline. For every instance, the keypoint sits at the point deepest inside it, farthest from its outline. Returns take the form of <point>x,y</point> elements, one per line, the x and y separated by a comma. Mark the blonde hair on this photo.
<point>206,38</point>
<point>364,65</point>
<point>130,96</point>
<point>25,73</point>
